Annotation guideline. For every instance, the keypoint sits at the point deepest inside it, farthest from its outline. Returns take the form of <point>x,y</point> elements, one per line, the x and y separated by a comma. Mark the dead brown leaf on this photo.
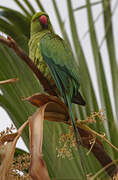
<point>7,148</point>
<point>56,111</point>
<point>51,108</point>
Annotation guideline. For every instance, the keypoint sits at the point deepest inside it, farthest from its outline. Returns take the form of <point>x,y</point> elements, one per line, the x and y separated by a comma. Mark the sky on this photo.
<point>82,26</point>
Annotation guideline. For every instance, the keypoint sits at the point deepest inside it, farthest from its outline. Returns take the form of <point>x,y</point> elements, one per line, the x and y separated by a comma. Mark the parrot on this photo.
<point>54,58</point>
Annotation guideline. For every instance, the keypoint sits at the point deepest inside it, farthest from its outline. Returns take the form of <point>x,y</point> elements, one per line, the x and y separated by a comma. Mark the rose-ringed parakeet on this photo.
<point>55,60</point>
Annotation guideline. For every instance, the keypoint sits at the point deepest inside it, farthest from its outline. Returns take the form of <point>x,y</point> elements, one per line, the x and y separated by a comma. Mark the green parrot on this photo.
<point>54,58</point>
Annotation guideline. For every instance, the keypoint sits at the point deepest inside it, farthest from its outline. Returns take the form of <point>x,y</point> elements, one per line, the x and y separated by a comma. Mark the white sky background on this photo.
<point>82,25</point>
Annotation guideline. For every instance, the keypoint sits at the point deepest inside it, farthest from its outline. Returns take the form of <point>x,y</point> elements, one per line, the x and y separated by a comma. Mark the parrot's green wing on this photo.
<point>60,61</point>
<point>59,58</point>
<point>52,46</point>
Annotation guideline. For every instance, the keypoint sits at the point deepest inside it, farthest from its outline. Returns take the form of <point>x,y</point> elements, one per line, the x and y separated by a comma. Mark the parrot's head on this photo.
<point>40,21</point>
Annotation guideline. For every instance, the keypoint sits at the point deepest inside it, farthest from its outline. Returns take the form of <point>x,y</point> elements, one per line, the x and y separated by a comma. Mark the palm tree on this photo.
<point>17,25</point>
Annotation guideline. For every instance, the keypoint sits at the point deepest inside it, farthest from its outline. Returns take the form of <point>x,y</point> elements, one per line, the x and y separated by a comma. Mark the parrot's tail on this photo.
<point>78,99</point>
<point>76,132</point>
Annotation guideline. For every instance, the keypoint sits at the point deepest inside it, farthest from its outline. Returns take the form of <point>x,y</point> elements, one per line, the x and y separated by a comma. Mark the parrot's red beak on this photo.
<point>43,20</point>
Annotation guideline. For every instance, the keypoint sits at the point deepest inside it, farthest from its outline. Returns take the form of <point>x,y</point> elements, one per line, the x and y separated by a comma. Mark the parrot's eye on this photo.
<point>43,20</point>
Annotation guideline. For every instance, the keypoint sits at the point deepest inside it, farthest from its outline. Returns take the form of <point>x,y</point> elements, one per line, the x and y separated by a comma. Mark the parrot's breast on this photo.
<point>37,58</point>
